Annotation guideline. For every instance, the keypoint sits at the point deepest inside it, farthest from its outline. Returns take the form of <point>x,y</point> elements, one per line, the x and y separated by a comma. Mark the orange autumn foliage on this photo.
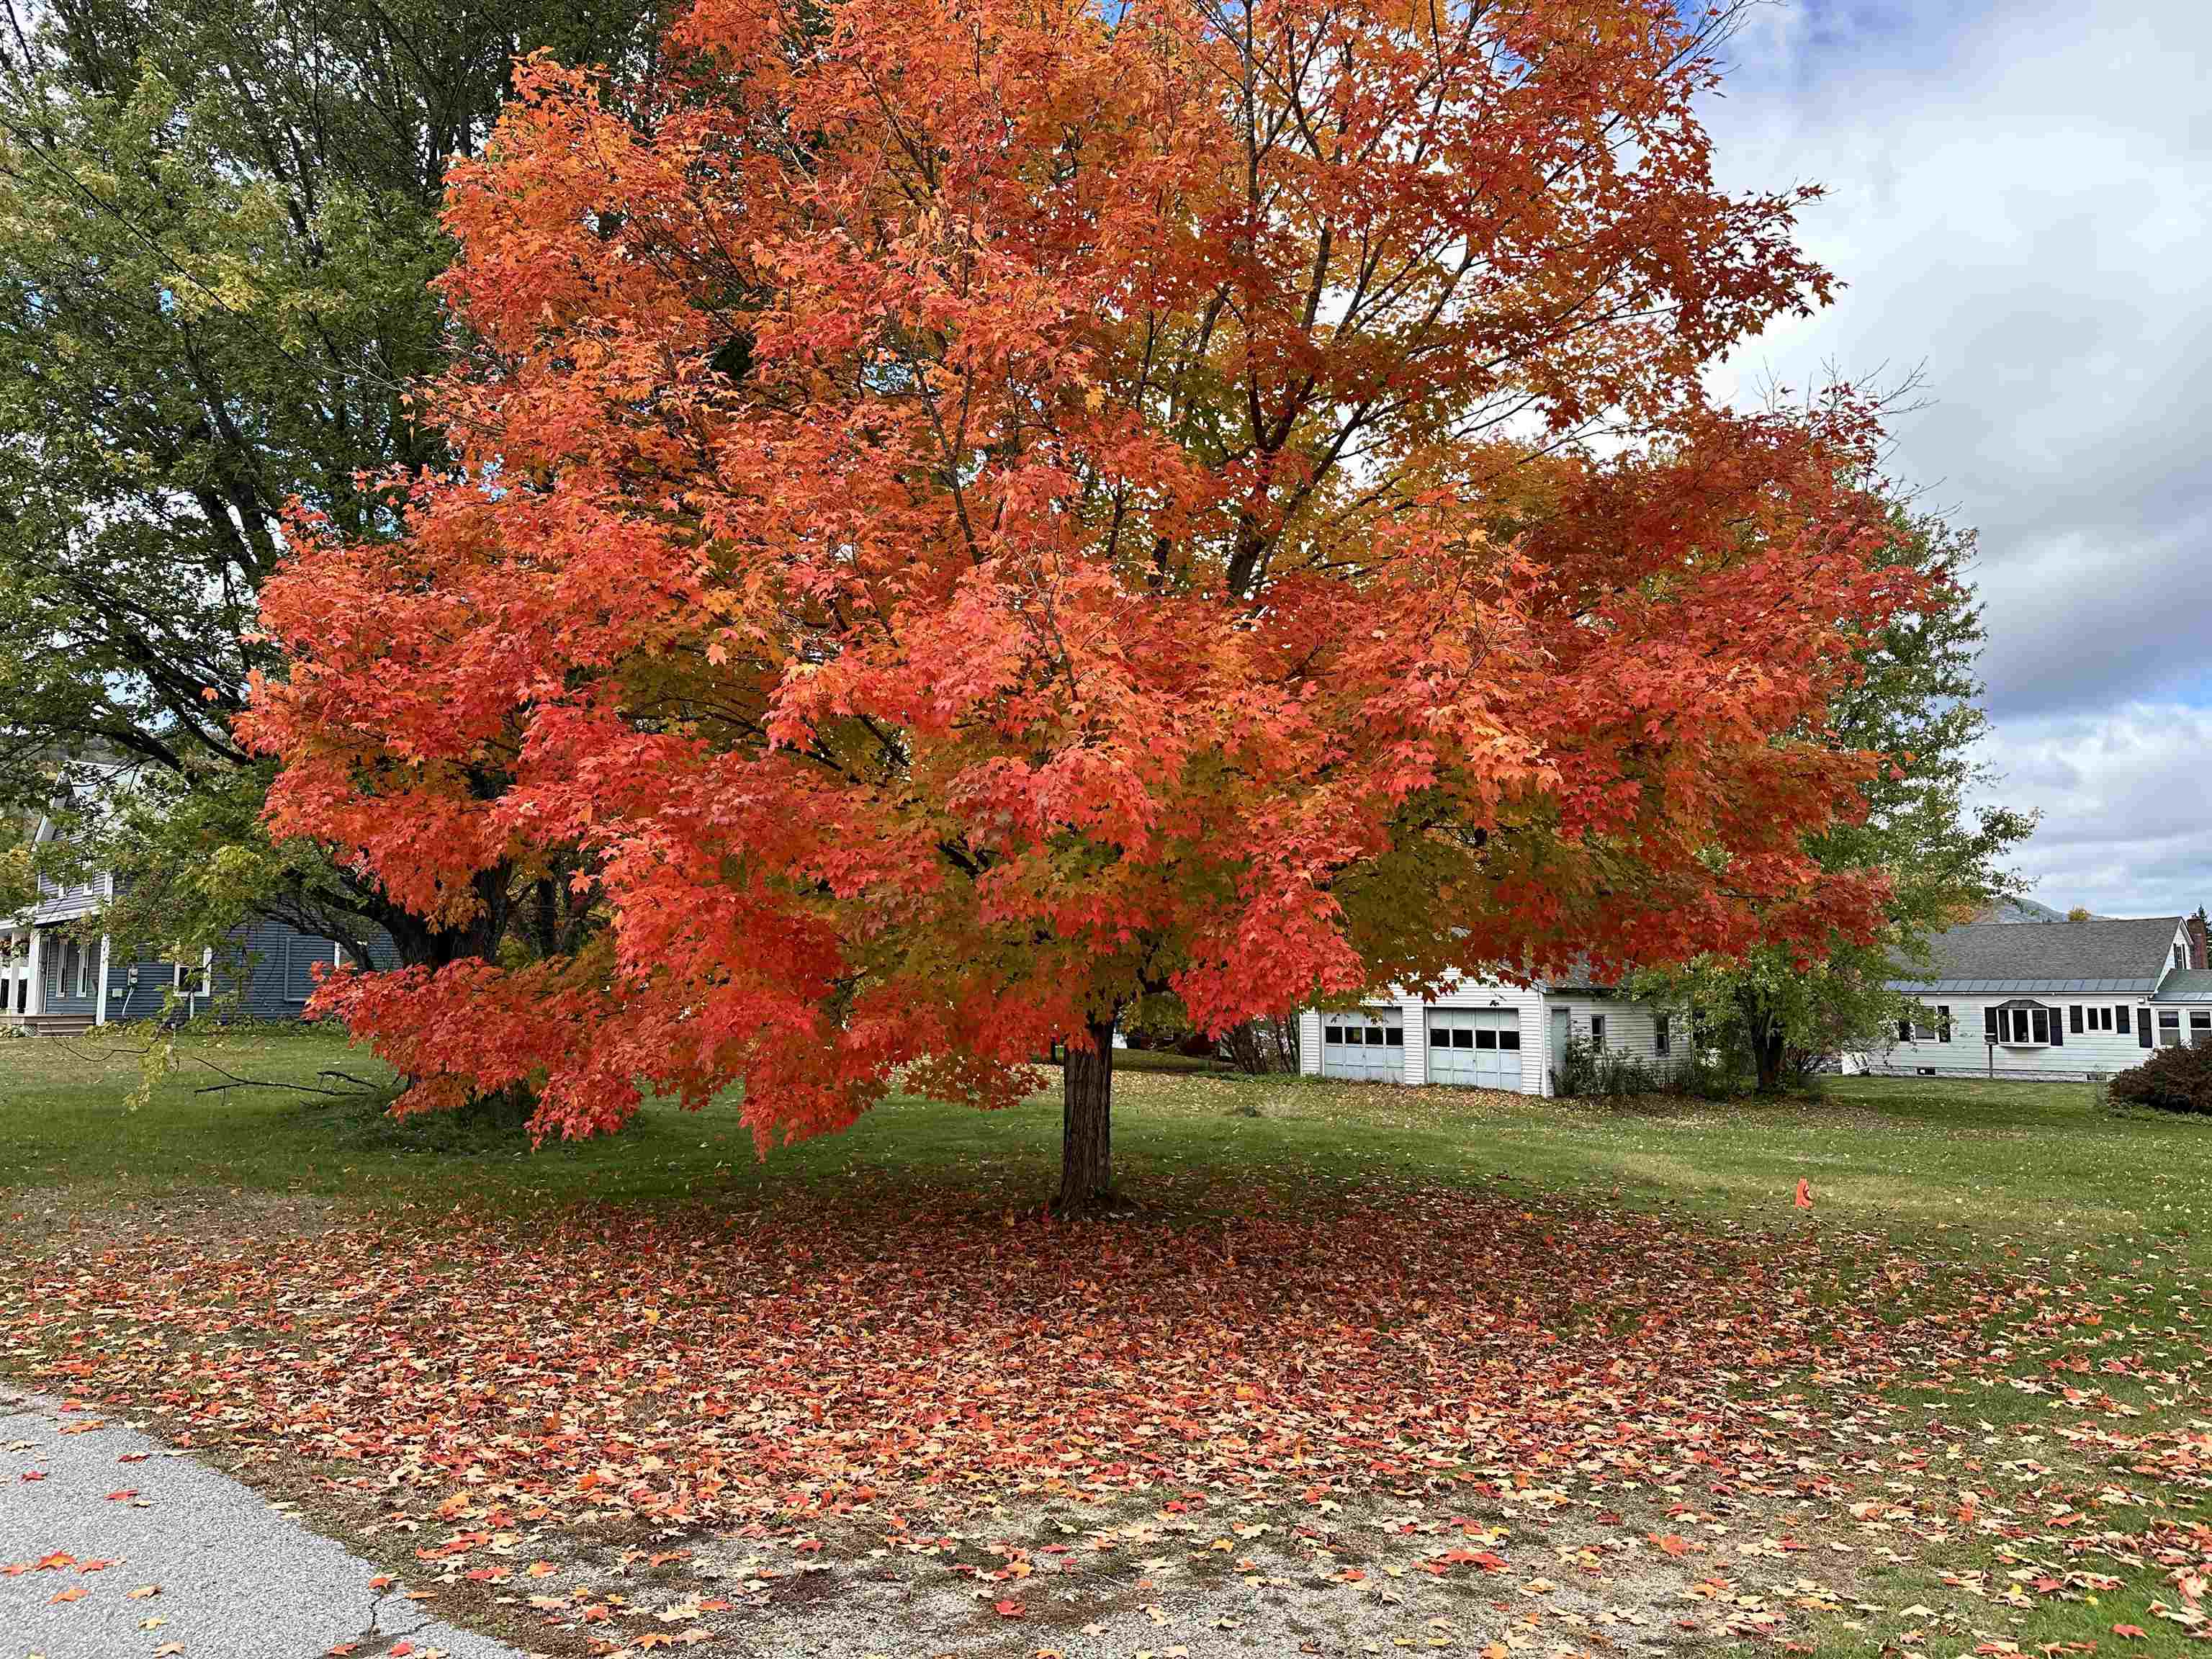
<point>973,512</point>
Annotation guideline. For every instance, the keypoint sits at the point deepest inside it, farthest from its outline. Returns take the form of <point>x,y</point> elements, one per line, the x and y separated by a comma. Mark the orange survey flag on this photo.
<point>1804,1193</point>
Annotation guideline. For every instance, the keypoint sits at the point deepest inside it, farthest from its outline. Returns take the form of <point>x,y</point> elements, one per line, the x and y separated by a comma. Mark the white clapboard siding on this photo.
<point>1630,1028</point>
<point>1967,1056</point>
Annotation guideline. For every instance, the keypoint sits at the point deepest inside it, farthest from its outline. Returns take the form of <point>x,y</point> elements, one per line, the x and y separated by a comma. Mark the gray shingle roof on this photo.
<point>2186,985</point>
<point>2057,956</point>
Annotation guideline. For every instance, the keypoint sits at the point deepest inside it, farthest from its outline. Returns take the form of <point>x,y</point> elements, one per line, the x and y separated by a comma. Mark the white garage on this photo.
<point>1485,1033</point>
<point>1475,1047</point>
<point>1367,1045</point>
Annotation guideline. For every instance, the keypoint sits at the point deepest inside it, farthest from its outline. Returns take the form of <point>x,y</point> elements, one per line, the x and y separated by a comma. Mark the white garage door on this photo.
<point>1477,1048</point>
<point>1369,1046</point>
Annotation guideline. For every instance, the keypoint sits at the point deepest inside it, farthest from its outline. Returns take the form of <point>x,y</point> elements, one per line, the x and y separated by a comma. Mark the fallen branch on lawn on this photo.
<point>362,1086</point>
<point>232,1081</point>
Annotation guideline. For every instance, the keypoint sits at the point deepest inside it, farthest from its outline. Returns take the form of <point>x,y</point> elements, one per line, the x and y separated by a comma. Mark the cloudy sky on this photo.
<point>2020,202</point>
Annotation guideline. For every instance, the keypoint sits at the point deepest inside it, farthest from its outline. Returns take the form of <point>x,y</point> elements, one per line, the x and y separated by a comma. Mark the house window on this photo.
<point>1923,1030</point>
<point>1597,1030</point>
<point>1659,1035</point>
<point>2169,1029</point>
<point>2029,1025</point>
<point>2098,1019</point>
<point>84,957</point>
<point>2200,1028</point>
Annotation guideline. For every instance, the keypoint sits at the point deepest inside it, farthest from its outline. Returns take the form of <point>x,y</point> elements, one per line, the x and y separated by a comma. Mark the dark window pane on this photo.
<point>1394,1036</point>
<point>1332,1034</point>
<point>1486,1039</point>
<point>1509,1039</point>
<point>1462,1038</point>
<point>1439,1037</point>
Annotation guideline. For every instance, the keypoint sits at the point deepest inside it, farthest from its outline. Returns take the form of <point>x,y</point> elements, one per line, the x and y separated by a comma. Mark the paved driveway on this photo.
<point>112,1547</point>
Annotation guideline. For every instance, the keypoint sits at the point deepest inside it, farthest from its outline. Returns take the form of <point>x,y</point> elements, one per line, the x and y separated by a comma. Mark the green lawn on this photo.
<point>1975,1185</point>
<point>1972,1169</point>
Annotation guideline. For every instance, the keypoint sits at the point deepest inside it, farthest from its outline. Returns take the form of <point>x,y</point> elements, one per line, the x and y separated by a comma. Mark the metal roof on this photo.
<point>2023,987</point>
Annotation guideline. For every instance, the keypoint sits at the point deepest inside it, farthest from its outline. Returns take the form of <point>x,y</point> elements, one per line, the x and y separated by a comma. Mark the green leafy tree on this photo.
<point>19,882</point>
<point>1916,702</point>
<point>218,221</point>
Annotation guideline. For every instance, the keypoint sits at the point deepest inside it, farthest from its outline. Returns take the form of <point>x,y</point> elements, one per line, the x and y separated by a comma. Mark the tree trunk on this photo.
<point>1766,1054</point>
<point>1765,1035</point>
<point>1086,1148</point>
<point>417,944</point>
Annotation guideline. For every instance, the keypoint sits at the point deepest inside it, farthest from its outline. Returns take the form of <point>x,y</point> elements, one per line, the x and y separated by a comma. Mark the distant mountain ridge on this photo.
<point>2023,910</point>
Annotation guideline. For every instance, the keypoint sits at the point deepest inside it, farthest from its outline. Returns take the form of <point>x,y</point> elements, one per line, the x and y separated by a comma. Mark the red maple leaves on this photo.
<point>698,1365</point>
<point>1120,508</point>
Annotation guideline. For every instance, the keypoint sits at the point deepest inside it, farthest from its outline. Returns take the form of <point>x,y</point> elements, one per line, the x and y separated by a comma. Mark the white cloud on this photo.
<point>2127,825</point>
<point>2016,202</point>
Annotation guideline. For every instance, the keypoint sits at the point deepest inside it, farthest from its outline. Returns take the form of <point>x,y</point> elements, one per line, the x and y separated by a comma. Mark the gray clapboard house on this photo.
<point>59,974</point>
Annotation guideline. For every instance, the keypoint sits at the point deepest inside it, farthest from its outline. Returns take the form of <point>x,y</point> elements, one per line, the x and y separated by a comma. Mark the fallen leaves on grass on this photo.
<point>688,1366</point>
<point>817,1358</point>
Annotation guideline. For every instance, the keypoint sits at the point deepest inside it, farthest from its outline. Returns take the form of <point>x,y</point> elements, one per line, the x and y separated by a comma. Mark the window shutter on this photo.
<point>2120,1021</point>
<point>2059,1028</point>
<point>2039,1021</point>
<point>1989,1024</point>
<point>1905,1030</point>
<point>1943,1024</point>
<point>300,958</point>
<point>2074,1019</point>
<point>2142,1028</point>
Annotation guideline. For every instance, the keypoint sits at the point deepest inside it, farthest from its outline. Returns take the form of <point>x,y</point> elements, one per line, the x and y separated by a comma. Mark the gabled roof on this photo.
<point>1998,957</point>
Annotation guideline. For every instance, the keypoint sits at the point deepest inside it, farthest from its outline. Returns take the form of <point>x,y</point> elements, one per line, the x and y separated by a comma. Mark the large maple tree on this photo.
<point>972,513</point>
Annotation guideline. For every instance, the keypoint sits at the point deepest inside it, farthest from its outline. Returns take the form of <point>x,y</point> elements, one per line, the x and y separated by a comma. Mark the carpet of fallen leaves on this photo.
<point>820,1360</point>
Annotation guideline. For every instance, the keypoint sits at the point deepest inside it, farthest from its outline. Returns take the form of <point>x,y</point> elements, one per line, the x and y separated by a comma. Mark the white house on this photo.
<point>2052,999</point>
<point>1481,1034</point>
